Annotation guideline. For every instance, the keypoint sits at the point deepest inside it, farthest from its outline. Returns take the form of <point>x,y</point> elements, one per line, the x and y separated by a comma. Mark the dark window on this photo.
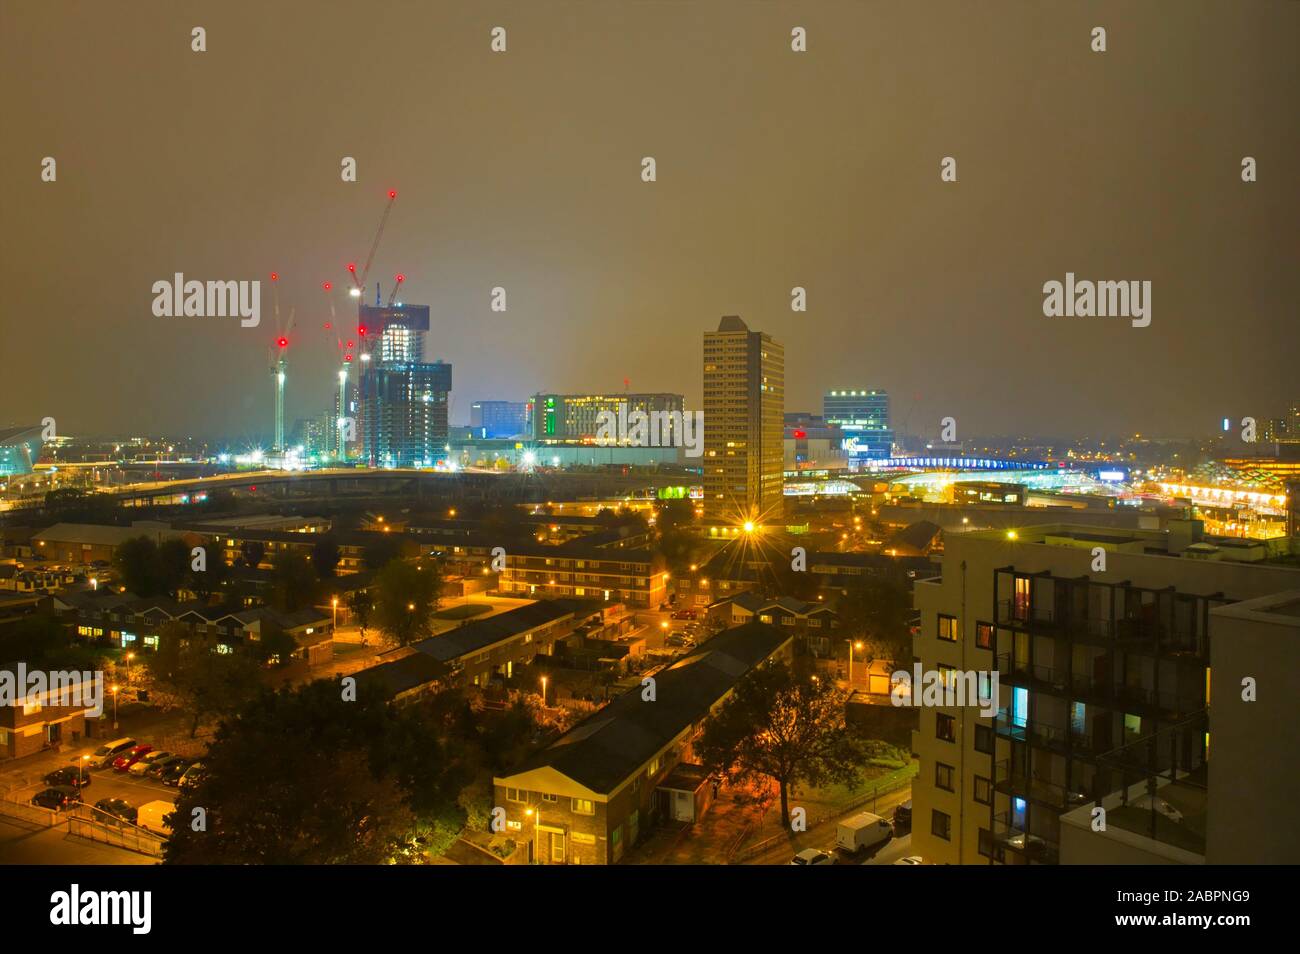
<point>945,727</point>
<point>940,825</point>
<point>948,628</point>
<point>984,635</point>
<point>943,776</point>
<point>983,739</point>
<point>986,843</point>
<point>983,790</point>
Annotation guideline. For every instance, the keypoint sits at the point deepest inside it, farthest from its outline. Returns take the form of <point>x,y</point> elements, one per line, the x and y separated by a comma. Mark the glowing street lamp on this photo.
<point>543,692</point>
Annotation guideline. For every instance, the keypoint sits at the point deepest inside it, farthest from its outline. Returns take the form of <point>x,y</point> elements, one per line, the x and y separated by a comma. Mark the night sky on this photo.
<point>775,169</point>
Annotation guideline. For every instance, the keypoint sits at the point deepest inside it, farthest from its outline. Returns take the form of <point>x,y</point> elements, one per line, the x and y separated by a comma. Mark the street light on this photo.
<point>129,657</point>
<point>335,604</point>
<point>114,692</point>
<point>543,692</point>
<point>852,646</point>
<point>80,765</point>
<point>536,815</point>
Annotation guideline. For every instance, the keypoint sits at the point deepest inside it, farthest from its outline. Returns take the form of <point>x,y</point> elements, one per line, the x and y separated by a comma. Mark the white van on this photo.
<point>861,832</point>
<point>106,753</point>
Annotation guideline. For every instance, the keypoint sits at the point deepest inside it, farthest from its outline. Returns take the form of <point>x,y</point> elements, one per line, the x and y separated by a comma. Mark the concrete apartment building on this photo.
<point>744,426</point>
<point>587,797</point>
<point>1104,682</point>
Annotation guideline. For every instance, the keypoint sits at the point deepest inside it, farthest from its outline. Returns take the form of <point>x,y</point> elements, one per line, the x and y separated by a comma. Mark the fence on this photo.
<point>892,782</point>
<point>122,834</point>
<point>84,821</point>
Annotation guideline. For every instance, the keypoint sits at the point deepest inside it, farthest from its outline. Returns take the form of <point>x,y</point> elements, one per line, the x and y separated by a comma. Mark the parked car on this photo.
<point>812,856</point>
<point>903,818</point>
<point>172,772</point>
<point>191,776</point>
<point>130,757</point>
<point>106,753</point>
<point>119,808</point>
<point>157,768</point>
<point>684,614</point>
<point>58,797</point>
<point>909,860</point>
<point>862,831</point>
<point>69,776</point>
<point>152,758</point>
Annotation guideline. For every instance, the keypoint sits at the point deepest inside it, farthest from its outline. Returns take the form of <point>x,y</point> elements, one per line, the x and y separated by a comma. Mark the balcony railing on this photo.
<point>1044,619</point>
<point>1083,685</point>
<point>1011,779</point>
<point>1034,847</point>
<point>1040,733</point>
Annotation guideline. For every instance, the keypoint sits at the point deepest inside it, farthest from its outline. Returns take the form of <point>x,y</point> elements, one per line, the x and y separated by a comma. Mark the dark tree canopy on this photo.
<point>784,728</point>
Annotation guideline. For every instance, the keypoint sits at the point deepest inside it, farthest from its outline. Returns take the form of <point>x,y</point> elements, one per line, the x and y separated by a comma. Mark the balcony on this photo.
<point>1033,848</point>
<point>1010,779</point>
<point>1085,687</point>
<point>1059,739</point>
<point>1045,621</point>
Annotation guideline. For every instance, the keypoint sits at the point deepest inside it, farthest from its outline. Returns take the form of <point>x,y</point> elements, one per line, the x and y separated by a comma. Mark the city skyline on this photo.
<point>930,290</point>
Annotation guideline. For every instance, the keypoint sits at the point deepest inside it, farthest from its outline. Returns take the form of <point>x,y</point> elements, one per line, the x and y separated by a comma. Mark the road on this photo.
<point>823,836</point>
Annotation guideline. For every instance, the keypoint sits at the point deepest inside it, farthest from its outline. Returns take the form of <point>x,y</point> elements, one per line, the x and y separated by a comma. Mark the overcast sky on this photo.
<point>775,169</point>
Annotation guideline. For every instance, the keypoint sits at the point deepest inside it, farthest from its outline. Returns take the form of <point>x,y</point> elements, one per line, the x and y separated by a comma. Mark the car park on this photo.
<point>153,758</point>
<point>191,776</point>
<point>69,776</point>
<point>171,773</point>
<point>130,757</point>
<point>118,808</point>
<point>58,797</point>
<point>157,768</point>
<point>106,753</point>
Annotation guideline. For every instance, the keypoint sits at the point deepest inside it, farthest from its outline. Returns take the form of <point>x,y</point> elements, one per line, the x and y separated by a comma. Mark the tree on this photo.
<point>325,556</point>
<point>787,729</point>
<point>362,606</point>
<point>381,551</point>
<point>215,574</point>
<point>253,551</point>
<point>134,563</point>
<point>172,566</point>
<point>406,597</point>
<point>310,776</point>
<point>880,609</point>
<point>293,581</point>
<point>192,674</point>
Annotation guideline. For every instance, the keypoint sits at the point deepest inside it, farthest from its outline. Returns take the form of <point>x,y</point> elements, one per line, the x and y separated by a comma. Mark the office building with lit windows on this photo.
<point>1104,691</point>
<point>744,431</point>
<point>576,418</point>
<point>863,417</point>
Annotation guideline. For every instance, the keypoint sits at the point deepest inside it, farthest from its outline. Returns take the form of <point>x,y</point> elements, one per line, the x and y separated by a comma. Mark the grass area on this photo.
<point>463,611</point>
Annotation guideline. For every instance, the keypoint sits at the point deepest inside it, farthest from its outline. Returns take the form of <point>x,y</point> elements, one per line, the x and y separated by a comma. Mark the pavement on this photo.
<point>25,844</point>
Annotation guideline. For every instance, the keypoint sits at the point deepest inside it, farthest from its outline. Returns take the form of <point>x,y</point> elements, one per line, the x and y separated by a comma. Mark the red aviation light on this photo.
<point>282,341</point>
<point>352,267</point>
<point>351,345</point>
<point>328,325</point>
<point>361,330</point>
<point>392,193</point>
<point>400,278</point>
<point>347,357</point>
<point>328,285</point>
<point>275,276</point>
<point>800,435</point>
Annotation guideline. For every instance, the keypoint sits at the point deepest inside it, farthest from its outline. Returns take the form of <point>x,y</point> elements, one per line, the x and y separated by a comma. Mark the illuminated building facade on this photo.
<point>562,418</point>
<point>863,416</point>
<point>19,449</point>
<point>744,432</point>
